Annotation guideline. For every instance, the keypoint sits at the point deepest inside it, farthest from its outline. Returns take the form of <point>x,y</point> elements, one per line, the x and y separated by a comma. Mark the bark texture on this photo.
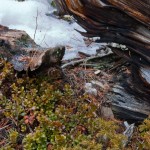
<point>128,23</point>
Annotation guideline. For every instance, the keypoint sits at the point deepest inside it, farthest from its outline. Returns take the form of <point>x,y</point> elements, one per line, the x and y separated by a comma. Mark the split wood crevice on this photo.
<point>123,22</point>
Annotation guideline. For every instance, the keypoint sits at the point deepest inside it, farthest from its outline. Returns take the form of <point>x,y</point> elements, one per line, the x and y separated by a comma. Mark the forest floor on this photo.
<point>41,112</point>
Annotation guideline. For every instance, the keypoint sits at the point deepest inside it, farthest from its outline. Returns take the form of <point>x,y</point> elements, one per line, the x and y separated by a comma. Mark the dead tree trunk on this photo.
<point>128,23</point>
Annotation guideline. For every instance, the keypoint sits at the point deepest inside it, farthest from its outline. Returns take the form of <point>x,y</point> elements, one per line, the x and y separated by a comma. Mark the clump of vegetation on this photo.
<point>145,134</point>
<point>39,113</point>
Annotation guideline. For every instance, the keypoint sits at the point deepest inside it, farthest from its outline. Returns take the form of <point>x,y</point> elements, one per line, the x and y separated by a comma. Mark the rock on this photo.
<point>90,90</point>
<point>106,112</point>
<point>97,72</point>
<point>101,85</point>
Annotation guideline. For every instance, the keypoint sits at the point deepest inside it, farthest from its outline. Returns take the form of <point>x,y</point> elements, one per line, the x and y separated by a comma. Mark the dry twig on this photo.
<point>73,63</point>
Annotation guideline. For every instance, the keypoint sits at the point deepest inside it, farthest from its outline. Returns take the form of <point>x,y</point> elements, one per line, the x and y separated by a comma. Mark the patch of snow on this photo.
<point>50,30</point>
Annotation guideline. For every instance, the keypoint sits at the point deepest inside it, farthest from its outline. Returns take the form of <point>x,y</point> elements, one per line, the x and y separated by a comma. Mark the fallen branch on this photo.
<point>73,63</point>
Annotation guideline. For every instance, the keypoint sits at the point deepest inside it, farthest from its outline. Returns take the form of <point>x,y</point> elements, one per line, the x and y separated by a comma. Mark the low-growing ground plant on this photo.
<point>39,113</point>
<point>144,130</point>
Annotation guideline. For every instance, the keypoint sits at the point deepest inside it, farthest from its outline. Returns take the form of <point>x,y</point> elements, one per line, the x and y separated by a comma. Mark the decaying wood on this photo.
<point>128,106</point>
<point>128,23</point>
<point>121,22</point>
<point>75,62</point>
<point>17,47</point>
<point>60,10</point>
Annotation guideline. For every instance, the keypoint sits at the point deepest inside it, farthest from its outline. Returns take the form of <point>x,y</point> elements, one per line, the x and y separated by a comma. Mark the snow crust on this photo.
<point>50,32</point>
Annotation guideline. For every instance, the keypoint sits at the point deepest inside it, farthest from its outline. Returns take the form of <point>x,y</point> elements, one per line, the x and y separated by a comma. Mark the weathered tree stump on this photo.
<point>128,23</point>
<point>17,47</point>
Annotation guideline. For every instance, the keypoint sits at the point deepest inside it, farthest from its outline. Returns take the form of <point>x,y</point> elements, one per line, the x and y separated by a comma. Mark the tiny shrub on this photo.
<point>46,115</point>
<point>145,134</point>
